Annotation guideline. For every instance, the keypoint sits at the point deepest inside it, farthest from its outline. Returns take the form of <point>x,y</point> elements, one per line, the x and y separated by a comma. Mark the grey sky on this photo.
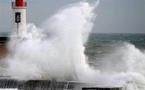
<point>117,16</point>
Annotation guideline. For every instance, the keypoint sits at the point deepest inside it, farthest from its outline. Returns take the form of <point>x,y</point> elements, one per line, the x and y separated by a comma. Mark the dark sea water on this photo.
<point>99,45</point>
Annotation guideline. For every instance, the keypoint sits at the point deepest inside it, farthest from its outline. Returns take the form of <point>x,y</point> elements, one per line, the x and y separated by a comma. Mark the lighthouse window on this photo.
<point>17,17</point>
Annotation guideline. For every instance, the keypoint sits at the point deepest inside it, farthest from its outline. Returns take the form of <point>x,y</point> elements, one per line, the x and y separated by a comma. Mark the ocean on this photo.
<point>119,58</point>
<point>116,52</point>
<point>100,44</point>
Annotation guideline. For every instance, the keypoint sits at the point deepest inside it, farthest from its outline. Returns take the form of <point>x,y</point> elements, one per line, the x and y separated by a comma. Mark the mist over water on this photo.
<point>55,50</point>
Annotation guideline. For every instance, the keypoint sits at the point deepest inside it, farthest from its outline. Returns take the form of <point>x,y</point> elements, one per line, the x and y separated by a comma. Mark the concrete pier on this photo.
<point>52,85</point>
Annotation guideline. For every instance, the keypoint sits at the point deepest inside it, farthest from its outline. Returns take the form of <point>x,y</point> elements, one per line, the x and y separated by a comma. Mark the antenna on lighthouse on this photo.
<point>19,16</point>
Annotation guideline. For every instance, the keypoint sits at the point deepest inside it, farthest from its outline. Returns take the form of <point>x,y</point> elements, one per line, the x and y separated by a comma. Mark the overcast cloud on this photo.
<point>114,16</point>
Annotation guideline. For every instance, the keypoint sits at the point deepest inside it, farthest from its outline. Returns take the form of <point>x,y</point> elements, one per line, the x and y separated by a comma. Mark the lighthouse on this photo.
<point>19,16</point>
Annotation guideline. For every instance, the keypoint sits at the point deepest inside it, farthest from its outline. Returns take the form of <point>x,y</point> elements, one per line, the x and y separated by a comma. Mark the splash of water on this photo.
<point>56,49</point>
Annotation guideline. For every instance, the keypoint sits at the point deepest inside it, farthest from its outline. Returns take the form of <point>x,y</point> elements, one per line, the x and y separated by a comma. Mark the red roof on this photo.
<point>20,3</point>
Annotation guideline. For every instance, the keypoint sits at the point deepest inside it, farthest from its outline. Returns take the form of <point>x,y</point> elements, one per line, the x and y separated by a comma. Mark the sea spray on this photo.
<point>123,66</point>
<point>56,49</point>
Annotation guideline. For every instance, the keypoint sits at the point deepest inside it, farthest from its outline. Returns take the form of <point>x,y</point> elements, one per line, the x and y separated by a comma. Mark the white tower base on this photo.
<point>19,19</point>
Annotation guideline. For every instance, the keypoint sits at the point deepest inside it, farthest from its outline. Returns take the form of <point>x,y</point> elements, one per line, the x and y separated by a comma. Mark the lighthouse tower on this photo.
<point>19,16</point>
